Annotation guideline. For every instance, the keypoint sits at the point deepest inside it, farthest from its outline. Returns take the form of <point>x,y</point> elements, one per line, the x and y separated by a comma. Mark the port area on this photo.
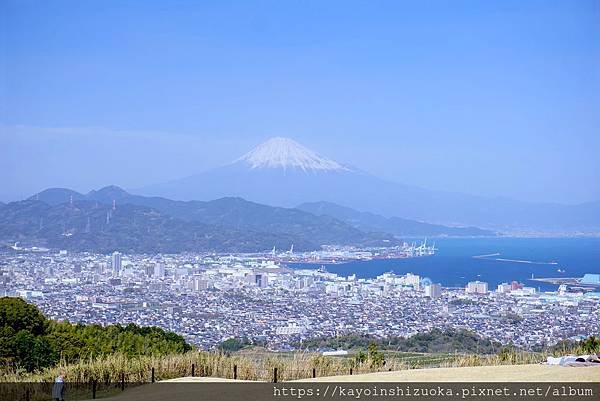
<point>574,282</point>
<point>331,255</point>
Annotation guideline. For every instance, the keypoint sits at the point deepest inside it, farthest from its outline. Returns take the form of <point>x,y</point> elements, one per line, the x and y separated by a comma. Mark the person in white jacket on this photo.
<point>58,390</point>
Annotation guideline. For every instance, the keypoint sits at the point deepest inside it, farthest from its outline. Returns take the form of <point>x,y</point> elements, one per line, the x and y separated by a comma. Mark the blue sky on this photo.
<point>492,98</point>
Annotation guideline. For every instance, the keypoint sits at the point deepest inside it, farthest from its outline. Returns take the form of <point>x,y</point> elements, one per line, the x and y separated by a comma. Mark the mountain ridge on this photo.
<point>257,227</point>
<point>287,187</point>
<point>394,225</point>
<point>96,227</point>
<point>189,210</point>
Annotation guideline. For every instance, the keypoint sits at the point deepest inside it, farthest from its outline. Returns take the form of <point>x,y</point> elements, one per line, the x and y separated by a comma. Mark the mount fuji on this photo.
<point>278,172</point>
<point>282,172</point>
<point>285,153</point>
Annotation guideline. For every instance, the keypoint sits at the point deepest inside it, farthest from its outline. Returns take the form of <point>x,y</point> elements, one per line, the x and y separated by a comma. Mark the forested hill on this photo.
<point>111,219</point>
<point>30,341</point>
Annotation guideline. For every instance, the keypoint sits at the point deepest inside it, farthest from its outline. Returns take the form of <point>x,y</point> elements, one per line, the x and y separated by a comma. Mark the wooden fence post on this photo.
<point>350,371</point>
<point>314,373</point>
<point>153,374</point>
<point>93,389</point>
<point>234,372</point>
<point>193,370</point>
<point>274,375</point>
<point>122,381</point>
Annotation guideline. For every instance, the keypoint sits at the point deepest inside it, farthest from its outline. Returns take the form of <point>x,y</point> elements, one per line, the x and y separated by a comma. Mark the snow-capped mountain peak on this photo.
<point>286,153</point>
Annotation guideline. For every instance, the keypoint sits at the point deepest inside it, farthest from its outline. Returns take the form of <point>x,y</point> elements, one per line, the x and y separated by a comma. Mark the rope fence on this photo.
<point>115,382</point>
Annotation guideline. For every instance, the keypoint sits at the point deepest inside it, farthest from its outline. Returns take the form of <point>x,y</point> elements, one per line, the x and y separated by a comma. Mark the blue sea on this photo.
<point>453,264</point>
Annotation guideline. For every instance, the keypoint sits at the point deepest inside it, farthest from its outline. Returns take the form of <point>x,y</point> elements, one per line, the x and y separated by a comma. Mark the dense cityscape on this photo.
<point>209,298</point>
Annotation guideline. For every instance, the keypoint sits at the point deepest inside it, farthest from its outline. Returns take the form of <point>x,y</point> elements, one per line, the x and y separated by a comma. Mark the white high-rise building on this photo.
<point>477,287</point>
<point>504,287</point>
<point>199,284</point>
<point>159,270</point>
<point>412,279</point>
<point>116,263</point>
<point>433,291</point>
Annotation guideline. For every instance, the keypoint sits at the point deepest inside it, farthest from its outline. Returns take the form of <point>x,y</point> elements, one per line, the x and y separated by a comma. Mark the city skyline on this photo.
<point>234,290</point>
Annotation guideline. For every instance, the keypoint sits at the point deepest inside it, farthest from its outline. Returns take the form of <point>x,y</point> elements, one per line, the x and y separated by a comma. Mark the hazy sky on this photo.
<point>494,99</point>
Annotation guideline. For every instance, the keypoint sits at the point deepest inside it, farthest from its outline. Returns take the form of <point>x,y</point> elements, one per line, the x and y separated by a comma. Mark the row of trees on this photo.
<point>450,340</point>
<point>590,345</point>
<point>373,356</point>
<point>30,341</point>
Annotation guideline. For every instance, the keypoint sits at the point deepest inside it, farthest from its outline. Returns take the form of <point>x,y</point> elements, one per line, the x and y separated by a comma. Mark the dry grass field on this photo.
<point>506,373</point>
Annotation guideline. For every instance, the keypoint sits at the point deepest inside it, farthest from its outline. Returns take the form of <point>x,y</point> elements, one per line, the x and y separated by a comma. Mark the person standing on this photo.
<point>58,390</point>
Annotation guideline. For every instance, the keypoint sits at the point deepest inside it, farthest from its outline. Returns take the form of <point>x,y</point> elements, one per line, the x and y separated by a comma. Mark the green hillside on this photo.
<point>31,342</point>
